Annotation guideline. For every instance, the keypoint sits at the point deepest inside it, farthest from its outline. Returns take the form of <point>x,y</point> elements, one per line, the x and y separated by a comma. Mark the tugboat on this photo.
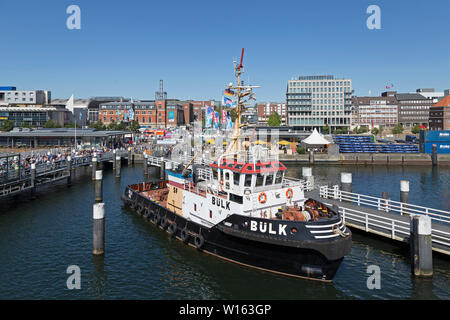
<point>243,209</point>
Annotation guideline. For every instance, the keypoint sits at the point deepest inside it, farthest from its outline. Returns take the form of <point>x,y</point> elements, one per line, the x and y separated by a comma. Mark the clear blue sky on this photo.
<point>125,47</point>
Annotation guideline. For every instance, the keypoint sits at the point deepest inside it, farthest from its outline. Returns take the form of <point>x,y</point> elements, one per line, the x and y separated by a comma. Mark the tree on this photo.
<point>326,129</point>
<point>134,126</point>
<point>362,129</point>
<point>7,125</point>
<point>71,125</point>
<point>98,125</point>
<point>301,150</point>
<point>415,130</point>
<point>397,129</point>
<point>26,124</point>
<point>51,124</point>
<point>375,131</point>
<point>274,120</point>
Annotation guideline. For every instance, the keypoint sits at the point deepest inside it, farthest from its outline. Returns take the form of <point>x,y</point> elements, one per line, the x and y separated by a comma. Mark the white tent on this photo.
<point>316,139</point>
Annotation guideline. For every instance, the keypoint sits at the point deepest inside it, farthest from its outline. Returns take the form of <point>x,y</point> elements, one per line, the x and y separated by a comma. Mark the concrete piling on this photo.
<point>385,196</point>
<point>434,159</point>
<point>307,175</point>
<point>420,246</point>
<point>69,169</point>
<point>162,171</point>
<point>145,164</point>
<point>114,160</point>
<point>311,156</point>
<point>98,186</point>
<point>346,182</point>
<point>99,229</point>
<point>94,166</point>
<point>33,176</point>
<point>118,164</point>
<point>129,156</point>
<point>404,191</point>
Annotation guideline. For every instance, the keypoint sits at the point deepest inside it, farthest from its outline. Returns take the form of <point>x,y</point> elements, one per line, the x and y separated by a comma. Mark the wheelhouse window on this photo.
<point>214,170</point>
<point>248,180</point>
<point>259,180</point>
<point>269,179</point>
<point>236,177</point>
<point>236,198</point>
<point>278,177</point>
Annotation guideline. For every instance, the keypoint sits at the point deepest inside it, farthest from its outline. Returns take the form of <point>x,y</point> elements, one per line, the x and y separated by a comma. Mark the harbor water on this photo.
<point>40,238</point>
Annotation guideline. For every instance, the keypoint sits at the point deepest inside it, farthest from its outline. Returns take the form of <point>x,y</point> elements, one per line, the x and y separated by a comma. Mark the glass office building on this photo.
<point>317,101</point>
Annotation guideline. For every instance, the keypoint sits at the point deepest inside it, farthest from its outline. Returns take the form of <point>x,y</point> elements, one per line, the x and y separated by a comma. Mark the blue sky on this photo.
<point>125,47</point>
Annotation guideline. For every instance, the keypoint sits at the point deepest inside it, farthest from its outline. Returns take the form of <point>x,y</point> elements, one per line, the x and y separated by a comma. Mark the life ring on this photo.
<point>262,198</point>
<point>289,193</point>
<point>164,222</point>
<point>184,235</point>
<point>172,228</point>
<point>199,241</point>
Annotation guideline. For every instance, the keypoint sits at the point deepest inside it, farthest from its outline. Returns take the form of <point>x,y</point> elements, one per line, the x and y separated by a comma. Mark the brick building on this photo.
<point>439,118</point>
<point>265,109</point>
<point>153,114</point>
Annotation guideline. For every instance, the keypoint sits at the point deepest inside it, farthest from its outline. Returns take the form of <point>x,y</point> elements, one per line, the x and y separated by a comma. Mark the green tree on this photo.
<point>326,129</point>
<point>97,125</point>
<point>26,124</point>
<point>301,150</point>
<point>51,124</point>
<point>134,126</point>
<point>71,125</point>
<point>274,120</point>
<point>7,125</point>
<point>362,129</point>
<point>375,131</point>
<point>397,129</point>
<point>415,130</point>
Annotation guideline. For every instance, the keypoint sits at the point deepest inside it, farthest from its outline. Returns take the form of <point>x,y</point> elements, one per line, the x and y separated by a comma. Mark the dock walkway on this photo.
<point>383,217</point>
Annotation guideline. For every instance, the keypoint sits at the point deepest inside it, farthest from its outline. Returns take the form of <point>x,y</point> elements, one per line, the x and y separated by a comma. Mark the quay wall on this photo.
<point>369,158</point>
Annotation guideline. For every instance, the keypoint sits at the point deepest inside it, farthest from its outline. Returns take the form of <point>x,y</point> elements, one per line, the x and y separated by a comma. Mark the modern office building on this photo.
<point>34,116</point>
<point>439,118</point>
<point>10,95</point>
<point>317,101</point>
<point>265,109</point>
<point>377,112</point>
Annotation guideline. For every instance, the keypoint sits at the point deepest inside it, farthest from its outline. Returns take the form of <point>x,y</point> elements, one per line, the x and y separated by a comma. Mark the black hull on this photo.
<point>277,258</point>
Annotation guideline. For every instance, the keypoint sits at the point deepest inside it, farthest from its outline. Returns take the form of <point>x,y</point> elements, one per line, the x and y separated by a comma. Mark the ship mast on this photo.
<point>241,91</point>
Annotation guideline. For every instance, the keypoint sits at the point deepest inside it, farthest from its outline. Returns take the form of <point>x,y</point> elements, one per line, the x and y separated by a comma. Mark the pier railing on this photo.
<point>392,228</point>
<point>386,205</point>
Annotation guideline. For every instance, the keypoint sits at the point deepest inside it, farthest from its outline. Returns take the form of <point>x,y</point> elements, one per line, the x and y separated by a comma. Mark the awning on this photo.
<point>316,139</point>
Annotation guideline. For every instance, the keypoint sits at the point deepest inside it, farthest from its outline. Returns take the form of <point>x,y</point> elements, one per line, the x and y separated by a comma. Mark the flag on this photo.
<point>224,116</point>
<point>229,93</point>
<point>227,101</point>
<point>229,122</point>
<point>216,117</point>
<point>209,117</point>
